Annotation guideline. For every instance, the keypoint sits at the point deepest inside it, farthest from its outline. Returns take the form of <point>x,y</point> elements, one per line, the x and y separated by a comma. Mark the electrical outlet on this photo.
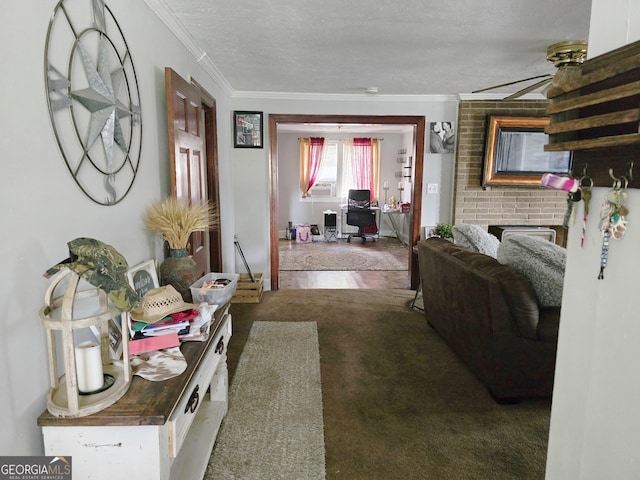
<point>432,188</point>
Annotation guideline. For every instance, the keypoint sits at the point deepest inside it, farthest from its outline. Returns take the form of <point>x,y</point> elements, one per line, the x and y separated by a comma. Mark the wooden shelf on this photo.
<point>595,112</point>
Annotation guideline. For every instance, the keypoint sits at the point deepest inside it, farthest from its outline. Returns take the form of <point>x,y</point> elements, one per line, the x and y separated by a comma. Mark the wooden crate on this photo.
<point>248,291</point>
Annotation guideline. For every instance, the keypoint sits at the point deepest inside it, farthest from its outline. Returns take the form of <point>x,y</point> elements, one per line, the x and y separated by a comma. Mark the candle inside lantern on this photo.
<point>89,367</point>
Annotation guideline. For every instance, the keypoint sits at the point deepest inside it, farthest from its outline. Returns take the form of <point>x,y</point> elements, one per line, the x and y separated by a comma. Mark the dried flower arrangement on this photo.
<point>176,220</point>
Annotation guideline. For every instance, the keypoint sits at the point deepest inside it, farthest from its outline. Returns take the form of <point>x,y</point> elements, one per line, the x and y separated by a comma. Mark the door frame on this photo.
<point>208,104</point>
<point>419,125</point>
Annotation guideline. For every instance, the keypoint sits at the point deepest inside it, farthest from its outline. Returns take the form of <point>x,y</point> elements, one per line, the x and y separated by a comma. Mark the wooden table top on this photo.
<point>147,402</point>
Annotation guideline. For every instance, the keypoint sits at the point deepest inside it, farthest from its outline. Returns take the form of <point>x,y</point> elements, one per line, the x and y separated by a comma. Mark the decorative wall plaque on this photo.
<point>93,99</point>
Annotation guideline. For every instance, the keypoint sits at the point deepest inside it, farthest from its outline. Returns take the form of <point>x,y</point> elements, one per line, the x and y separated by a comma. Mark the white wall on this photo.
<point>251,166</point>
<point>43,209</point>
<point>595,424</point>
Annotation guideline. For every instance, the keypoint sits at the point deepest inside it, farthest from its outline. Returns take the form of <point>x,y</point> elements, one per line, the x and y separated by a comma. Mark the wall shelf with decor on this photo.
<point>595,112</point>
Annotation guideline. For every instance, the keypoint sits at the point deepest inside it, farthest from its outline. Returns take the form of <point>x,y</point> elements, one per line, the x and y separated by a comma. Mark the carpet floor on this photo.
<point>385,254</point>
<point>398,403</point>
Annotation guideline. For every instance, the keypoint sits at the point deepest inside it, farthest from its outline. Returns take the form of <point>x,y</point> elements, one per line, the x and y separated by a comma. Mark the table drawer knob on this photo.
<point>220,345</point>
<point>194,399</point>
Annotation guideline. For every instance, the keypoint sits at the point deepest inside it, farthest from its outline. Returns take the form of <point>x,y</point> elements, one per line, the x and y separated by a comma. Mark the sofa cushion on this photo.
<point>517,290</point>
<point>541,261</point>
<point>476,239</point>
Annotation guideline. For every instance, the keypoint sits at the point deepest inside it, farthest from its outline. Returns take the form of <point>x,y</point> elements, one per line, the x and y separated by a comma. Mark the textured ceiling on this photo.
<point>402,47</point>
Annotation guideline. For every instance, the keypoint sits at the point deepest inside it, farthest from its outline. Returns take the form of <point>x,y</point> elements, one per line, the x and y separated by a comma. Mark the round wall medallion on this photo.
<point>93,99</point>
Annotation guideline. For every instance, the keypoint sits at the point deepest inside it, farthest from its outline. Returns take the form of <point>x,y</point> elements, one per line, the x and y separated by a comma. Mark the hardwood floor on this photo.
<point>290,280</point>
<point>343,280</point>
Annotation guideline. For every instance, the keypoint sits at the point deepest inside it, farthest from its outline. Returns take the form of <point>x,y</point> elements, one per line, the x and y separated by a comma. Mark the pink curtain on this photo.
<point>361,164</point>
<point>311,150</point>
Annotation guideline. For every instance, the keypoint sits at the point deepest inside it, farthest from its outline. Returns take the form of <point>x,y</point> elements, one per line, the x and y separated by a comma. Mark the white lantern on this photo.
<point>93,379</point>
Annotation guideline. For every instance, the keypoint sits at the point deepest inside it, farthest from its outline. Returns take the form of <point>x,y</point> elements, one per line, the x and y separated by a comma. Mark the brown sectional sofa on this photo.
<point>489,315</point>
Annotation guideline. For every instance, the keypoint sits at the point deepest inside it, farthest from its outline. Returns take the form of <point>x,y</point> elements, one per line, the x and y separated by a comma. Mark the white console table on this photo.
<point>158,430</point>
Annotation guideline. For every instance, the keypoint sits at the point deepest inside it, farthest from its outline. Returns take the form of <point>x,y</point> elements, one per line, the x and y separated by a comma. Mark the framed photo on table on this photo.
<point>429,231</point>
<point>143,277</point>
<point>115,336</point>
<point>247,129</point>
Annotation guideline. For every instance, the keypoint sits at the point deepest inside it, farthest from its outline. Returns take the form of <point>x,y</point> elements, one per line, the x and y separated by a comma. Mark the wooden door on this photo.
<point>187,159</point>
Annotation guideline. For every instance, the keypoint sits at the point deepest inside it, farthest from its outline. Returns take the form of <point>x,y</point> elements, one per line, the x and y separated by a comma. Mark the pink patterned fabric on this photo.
<point>362,164</point>
<point>315,157</point>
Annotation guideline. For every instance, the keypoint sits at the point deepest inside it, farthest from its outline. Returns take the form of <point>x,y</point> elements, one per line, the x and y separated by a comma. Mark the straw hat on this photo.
<point>159,303</point>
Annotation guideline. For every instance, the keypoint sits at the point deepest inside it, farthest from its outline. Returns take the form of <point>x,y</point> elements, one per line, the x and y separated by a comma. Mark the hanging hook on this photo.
<point>626,182</point>
<point>628,177</point>
<point>629,174</point>
<point>585,180</point>
<point>612,175</point>
<point>584,170</point>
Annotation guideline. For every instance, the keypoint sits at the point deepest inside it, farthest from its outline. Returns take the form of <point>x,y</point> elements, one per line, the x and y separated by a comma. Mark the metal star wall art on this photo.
<point>92,93</point>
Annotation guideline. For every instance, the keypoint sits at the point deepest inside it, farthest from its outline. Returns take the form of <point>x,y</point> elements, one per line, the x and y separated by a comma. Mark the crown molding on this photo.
<point>500,96</point>
<point>168,17</point>
<point>344,97</point>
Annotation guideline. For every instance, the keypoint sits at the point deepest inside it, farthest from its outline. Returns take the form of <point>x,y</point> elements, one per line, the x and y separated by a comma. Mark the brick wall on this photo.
<point>497,205</point>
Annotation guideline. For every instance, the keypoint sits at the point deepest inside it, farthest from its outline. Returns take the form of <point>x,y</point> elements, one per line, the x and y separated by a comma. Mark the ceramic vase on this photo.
<point>180,271</point>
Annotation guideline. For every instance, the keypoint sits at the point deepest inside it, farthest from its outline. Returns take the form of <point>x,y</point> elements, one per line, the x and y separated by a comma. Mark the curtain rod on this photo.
<point>344,139</point>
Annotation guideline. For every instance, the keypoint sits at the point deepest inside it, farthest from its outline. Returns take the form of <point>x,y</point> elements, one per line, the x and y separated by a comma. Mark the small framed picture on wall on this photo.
<point>442,137</point>
<point>247,129</point>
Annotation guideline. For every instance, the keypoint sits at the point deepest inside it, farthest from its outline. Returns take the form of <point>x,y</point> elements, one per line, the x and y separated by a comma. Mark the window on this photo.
<point>329,167</point>
<point>325,186</point>
<point>342,163</point>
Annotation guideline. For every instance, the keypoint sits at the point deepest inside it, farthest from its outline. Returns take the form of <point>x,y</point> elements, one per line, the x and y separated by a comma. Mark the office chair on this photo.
<point>359,214</point>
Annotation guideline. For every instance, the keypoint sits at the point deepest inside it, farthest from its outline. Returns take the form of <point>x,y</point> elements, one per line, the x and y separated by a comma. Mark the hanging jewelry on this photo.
<point>613,223</point>
<point>586,198</point>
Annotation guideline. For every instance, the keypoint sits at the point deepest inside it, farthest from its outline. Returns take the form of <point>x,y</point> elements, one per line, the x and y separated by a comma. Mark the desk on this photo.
<point>392,216</point>
<point>343,222</point>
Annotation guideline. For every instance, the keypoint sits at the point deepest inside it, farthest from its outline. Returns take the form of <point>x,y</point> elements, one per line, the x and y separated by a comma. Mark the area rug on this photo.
<point>382,255</point>
<point>274,426</point>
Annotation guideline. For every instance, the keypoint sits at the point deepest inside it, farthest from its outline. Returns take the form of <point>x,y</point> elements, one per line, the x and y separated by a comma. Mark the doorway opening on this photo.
<point>418,125</point>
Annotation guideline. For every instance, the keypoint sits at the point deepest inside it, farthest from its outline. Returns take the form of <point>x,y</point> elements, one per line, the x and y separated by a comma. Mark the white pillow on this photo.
<point>541,261</point>
<point>476,239</point>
